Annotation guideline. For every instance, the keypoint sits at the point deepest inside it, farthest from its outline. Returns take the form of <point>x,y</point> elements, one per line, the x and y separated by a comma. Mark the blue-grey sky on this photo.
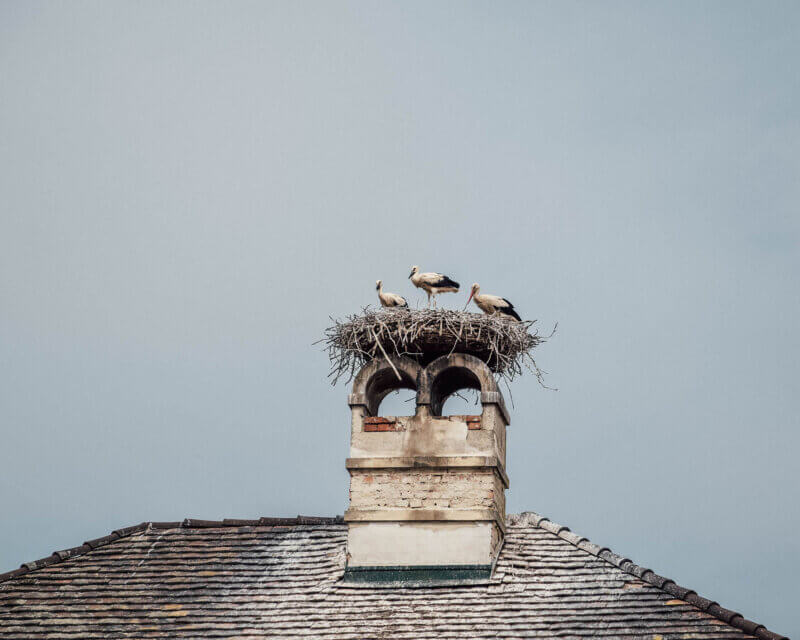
<point>189,189</point>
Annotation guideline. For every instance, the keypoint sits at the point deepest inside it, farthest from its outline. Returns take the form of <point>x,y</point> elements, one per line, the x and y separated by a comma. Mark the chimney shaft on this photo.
<point>427,492</point>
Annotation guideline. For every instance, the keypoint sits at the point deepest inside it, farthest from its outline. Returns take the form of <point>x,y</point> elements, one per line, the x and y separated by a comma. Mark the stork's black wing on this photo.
<point>444,281</point>
<point>509,310</point>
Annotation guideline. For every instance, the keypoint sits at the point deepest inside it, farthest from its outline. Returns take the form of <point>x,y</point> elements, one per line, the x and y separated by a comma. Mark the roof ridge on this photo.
<point>186,523</point>
<point>732,618</point>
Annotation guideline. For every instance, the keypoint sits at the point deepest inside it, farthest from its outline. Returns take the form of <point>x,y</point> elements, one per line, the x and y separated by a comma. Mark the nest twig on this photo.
<point>504,344</point>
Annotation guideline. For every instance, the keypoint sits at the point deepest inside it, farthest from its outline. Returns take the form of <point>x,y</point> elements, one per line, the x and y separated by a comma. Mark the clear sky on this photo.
<point>188,190</point>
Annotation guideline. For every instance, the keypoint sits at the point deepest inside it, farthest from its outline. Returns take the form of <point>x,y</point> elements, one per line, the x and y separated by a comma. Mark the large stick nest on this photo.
<point>504,344</point>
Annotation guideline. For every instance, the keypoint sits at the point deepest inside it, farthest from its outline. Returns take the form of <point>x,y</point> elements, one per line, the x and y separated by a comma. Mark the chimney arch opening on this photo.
<point>384,383</point>
<point>398,402</point>
<point>448,375</point>
<point>448,383</point>
<point>464,402</point>
<point>379,379</point>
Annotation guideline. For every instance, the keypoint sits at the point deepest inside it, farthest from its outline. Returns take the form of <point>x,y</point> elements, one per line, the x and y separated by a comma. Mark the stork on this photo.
<point>389,299</point>
<point>492,304</point>
<point>432,283</point>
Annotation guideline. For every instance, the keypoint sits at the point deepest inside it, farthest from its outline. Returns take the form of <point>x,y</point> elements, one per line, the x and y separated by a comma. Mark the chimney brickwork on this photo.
<point>427,492</point>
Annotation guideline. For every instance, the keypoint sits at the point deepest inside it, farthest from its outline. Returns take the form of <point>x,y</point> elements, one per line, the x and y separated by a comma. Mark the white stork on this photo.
<point>492,304</point>
<point>432,283</point>
<point>389,299</point>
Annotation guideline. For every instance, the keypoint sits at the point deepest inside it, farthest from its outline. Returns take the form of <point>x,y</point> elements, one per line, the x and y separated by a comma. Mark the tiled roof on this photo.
<point>282,578</point>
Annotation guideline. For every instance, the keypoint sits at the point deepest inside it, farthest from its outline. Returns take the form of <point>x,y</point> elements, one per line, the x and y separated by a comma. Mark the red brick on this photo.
<point>380,427</point>
<point>380,424</point>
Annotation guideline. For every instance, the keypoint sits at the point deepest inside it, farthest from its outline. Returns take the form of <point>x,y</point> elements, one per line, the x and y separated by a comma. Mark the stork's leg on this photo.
<point>429,299</point>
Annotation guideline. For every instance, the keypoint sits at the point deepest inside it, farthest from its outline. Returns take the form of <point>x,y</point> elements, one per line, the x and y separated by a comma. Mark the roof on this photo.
<point>278,577</point>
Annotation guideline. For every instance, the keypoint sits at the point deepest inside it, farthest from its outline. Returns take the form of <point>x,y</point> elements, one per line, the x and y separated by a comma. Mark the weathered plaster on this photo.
<point>429,543</point>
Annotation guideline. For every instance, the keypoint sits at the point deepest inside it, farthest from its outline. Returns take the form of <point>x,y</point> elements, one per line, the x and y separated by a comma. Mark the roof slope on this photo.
<point>281,578</point>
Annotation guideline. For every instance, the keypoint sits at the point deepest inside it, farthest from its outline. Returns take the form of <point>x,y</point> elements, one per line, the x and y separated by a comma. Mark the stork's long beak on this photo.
<point>410,274</point>
<point>471,293</point>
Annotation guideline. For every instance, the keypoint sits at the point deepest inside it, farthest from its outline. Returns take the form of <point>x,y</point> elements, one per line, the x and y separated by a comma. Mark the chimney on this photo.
<point>427,492</point>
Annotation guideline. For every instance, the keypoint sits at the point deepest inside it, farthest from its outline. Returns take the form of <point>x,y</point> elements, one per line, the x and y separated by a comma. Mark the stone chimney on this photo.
<point>427,492</point>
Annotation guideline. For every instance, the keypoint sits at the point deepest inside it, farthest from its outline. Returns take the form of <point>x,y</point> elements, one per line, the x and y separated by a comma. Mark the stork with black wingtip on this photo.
<point>432,283</point>
<point>389,300</point>
<point>492,304</point>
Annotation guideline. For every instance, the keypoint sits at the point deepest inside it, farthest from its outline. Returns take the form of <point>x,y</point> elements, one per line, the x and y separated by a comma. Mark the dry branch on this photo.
<point>505,345</point>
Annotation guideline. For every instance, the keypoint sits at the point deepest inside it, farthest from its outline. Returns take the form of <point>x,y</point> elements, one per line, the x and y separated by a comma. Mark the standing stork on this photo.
<point>432,283</point>
<point>492,304</point>
<point>389,299</point>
